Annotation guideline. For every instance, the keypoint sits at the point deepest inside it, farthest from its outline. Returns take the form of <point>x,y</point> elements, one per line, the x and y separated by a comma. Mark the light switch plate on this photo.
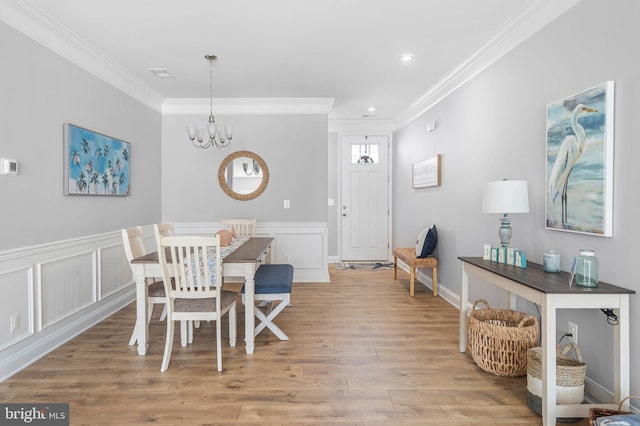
<point>8,166</point>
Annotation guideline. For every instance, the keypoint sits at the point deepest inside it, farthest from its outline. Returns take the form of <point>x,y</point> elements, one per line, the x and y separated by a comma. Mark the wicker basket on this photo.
<point>595,413</point>
<point>499,339</point>
<point>570,374</point>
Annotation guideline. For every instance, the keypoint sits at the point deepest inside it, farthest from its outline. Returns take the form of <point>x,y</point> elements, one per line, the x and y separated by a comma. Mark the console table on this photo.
<point>551,291</point>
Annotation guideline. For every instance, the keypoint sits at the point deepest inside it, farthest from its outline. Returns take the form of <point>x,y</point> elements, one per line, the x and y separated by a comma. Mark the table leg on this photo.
<point>622,362</point>
<point>142,319</point>
<point>548,350</point>
<point>464,303</point>
<point>249,307</point>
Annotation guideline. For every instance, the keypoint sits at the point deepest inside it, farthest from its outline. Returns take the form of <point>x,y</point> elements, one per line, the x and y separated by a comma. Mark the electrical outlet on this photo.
<point>14,322</point>
<point>573,329</point>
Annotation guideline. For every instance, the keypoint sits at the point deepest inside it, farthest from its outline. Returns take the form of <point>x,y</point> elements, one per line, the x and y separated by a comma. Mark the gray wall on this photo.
<point>494,127</point>
<point>39,91</point>
<point>293,146</point>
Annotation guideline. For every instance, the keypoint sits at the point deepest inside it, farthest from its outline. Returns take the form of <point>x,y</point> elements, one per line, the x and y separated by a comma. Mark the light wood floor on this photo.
<point>361,352</point>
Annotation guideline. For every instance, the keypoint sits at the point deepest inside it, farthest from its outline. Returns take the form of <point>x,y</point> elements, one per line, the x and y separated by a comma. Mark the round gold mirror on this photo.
<point>243,175</point>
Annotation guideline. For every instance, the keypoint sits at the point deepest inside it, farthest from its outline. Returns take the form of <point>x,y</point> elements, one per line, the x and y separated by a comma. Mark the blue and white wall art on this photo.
<point>95,164</point>
<point>580,162</point>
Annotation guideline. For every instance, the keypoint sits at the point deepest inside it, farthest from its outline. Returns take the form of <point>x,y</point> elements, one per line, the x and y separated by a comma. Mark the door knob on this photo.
<point>344,214</point>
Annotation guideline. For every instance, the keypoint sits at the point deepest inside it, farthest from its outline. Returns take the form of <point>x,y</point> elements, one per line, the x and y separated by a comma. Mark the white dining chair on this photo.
<point>197,293</point>
<point>163,230</point>
<point>240,228</point>
<point>133,242</point>
<point>167,230</point>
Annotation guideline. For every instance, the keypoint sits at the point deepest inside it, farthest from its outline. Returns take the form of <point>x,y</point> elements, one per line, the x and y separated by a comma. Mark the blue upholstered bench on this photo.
<point>273,282</point>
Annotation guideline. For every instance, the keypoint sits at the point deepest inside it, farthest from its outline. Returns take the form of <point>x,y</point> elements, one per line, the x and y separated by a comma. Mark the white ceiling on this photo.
<point>345,50</point>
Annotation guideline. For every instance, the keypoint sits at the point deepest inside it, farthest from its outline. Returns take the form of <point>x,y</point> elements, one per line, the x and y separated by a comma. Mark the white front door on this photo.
<point>364,210</point>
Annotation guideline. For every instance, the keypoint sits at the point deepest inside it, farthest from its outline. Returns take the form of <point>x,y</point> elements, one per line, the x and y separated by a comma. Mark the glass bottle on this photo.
<point>587,269</point>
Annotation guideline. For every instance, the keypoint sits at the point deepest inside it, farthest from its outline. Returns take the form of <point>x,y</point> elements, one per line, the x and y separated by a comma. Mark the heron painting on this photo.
<point>580,162</point>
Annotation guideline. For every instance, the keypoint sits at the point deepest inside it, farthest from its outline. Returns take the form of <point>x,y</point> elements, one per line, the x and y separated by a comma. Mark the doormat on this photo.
<point>363,265</point>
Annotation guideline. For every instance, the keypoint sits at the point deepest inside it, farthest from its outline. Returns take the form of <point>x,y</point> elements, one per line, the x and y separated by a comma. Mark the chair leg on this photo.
<point>219,343</point>
<point>183,333</point>
<point>168,346</point>
<point>149,311</point>
<point>233,327</point>
<point>134,335</point>
<point>163,316</point>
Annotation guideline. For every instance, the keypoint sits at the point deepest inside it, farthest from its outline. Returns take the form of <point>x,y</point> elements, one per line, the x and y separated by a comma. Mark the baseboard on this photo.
<point>30,350</point>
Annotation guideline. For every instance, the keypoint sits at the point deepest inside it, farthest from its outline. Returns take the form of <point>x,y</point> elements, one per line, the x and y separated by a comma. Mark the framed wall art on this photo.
<point>579,190</point>
<point>426,173</point>
<point>95,164</point>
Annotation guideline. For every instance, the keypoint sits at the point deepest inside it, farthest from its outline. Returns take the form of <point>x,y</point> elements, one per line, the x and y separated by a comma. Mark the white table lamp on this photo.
<point>505,196</point>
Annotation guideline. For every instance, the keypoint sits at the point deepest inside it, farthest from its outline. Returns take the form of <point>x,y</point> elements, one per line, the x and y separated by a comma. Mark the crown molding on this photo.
<point>34,23</point>
<point>31,21</point>
<point>532,17</point>
<point>361,125</point>
<point>247,106</point>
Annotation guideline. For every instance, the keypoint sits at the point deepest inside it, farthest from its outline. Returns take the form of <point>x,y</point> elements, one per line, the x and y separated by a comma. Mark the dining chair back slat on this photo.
<point>240,228</point>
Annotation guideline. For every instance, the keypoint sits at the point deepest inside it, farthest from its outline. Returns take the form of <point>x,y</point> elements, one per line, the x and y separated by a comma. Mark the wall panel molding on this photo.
<point>16,287</point>
<point>306,243</point>
<point>55,289</point>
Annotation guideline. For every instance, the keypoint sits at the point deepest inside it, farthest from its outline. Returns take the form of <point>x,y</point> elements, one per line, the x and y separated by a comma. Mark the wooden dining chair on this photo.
<point>163,230</point>
<point>167,230</point>
<point>195,264</point>
<point>133,242</point>
<point>240,228</point>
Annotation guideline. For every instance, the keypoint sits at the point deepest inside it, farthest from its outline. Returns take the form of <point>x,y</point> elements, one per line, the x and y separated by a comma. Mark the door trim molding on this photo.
<point>371,132</point>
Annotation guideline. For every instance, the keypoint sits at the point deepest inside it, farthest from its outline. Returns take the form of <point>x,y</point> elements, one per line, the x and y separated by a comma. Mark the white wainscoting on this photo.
<point>302,244</point>
<point>57,290</point>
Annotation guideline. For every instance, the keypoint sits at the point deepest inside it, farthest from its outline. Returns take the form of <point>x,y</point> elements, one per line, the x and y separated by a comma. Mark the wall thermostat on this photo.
<point>8,166</point>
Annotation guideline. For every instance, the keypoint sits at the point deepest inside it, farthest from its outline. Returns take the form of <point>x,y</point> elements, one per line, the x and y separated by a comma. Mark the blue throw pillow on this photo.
<point>430,242</point>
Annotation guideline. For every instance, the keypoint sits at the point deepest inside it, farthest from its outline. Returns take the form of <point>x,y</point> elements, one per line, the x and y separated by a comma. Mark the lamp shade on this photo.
<point>505,196</point>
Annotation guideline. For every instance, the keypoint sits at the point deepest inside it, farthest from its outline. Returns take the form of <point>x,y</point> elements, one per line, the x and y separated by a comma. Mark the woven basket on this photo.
<point>595,413</point>
<point>570,374</point>
<point>499,339</point>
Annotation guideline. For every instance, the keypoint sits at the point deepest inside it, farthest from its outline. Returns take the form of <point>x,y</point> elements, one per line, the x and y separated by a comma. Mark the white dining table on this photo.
<point>241,262</point>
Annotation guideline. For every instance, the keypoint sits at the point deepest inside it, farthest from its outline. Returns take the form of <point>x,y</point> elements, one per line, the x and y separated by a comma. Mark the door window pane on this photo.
<point>364,154</point>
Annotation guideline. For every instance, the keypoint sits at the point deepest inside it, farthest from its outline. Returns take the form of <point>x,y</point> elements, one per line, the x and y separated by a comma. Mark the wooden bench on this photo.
<point>408,256</point>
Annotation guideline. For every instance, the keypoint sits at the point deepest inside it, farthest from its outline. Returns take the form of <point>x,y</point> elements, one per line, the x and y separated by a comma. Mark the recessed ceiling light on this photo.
<point>407,57</point>
<point>160,72</point>
<point>371,109</point>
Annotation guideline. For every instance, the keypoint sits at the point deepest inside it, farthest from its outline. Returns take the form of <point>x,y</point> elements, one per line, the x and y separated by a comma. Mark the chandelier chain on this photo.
<point>211,87</point>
